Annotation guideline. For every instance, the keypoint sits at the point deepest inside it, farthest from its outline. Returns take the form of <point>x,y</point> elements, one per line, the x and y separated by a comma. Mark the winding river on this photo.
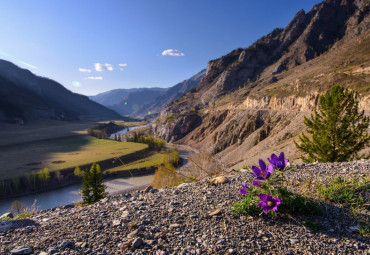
<point>70,194</point>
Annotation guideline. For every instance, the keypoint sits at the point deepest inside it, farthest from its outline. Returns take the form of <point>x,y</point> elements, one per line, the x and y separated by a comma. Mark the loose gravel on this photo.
<point>192,218</point>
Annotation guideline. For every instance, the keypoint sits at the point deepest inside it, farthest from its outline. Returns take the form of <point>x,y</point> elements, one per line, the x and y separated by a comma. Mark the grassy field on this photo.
<point>40,130</point>
<point>55,145</point>
<point>153,160</point>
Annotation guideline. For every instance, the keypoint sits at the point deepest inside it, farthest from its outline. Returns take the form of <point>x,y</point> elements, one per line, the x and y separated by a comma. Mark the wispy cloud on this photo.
<point>84,70</point>
<point>121,66</point>
<point>173,53</point>
<point>99,67</point>
<point>95,78</point>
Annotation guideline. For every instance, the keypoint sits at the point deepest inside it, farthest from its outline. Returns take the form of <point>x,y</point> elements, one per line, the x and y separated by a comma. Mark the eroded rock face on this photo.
<point>261,111</point>
<point>177,128</point>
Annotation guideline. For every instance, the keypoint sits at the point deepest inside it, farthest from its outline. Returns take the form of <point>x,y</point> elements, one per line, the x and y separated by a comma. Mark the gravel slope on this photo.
<point>176,221</point>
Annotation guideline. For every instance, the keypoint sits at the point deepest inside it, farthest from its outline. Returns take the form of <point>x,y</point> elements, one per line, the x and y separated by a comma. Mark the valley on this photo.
<point>179,127</point>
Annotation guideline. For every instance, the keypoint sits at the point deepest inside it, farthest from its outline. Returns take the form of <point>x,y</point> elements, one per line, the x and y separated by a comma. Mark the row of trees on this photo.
<point>32,180</point>
<point>153,143</point>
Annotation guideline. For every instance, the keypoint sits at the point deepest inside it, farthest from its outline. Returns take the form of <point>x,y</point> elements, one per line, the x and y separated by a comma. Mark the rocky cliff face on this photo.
<point>257,96</point>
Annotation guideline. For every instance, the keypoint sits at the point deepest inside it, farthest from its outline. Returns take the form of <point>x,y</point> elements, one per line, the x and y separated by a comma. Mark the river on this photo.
<point>70,194</point>
<point>123,131</point>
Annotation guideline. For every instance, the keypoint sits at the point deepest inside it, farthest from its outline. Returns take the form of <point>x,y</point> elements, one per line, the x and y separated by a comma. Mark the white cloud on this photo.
<point>102,67</point>
<point>84,70</point>
<point>95,78</point>
<point>173,53</point>
<point>121,66</point>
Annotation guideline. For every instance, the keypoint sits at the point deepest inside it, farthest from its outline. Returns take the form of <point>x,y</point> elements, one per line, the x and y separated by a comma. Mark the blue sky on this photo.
<point>91,46</point>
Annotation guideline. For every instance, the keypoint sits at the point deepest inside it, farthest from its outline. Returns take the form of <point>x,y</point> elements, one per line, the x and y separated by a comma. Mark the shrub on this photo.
<point>166,176</point>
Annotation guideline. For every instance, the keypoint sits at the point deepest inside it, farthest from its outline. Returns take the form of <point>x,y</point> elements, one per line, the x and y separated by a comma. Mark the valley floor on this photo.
<point>176,221</point>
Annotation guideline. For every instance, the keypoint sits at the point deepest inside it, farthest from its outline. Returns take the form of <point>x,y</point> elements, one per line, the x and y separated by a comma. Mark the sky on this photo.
<point>92,46</point>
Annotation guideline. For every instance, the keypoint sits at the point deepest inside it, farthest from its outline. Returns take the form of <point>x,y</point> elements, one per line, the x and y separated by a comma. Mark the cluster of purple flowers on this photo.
<point>262,173</point>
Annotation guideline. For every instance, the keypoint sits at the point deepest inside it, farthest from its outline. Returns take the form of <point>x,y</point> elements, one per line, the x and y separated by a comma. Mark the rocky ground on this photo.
<point>192,218</point>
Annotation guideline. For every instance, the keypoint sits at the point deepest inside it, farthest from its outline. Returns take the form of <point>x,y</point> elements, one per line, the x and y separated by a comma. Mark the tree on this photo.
<point>338,130</point>
<point>77,171</point>
<point>93,188</point>
<point>44,175</point>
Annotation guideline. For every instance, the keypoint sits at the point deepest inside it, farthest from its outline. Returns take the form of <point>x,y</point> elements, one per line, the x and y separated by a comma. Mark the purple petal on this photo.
<point>274,159</point>
<point>262,204</point>
<point>281,157</point>
<point>245,186</point>
<point>266,209</point>
<point>286,161</point>
<point>262,164</point>
<point>243,191</point>
<point>270,168</point>
<point>277,201</point>
<point>256,183</point>
<point>256,171</point>
<point>263,197</point>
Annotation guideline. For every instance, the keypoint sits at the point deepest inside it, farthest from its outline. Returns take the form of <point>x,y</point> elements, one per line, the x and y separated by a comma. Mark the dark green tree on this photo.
<point>338,130</point>
<point>93,188</point>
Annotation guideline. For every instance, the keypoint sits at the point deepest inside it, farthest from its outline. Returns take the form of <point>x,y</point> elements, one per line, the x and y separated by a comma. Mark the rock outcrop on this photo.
<point>251,96</point>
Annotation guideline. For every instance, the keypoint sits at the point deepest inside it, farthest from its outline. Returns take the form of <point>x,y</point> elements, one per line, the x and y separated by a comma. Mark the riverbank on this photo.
<point>194,218</point>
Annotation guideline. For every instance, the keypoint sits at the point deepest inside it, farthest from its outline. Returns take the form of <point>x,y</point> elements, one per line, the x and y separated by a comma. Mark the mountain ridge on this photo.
<point>255,98</point>
<point>48,98</point>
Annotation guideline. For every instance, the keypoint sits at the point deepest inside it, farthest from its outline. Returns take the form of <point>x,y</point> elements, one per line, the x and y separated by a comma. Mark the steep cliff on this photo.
<point>255,98</point>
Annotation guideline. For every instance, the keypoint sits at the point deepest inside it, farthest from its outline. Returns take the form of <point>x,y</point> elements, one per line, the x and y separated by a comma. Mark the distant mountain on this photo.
<point>171,95</point>
<point>112,97</point>
<point>135,100</point>
<point>138,102</point>
<point>27,96</point>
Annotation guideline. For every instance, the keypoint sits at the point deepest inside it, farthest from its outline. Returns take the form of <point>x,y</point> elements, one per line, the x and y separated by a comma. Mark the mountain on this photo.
<point>27,96</point>
<point>139,102</point>
<point>135,100</point>
<point>252,101</point>
<point>112,97</point>
<point>171,94</point>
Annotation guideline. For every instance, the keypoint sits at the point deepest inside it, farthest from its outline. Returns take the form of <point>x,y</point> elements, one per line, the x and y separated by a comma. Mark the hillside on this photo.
<point>179,220</point>
<point>254,99</point>
<point>135,100</point>
<point>112,97</point>
<point>27,96</point>
<point>141,102</point>
<point>171,94</point>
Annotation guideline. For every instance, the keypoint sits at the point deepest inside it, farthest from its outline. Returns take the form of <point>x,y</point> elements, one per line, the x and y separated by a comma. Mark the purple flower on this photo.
<point>263,172</point>
<point>268,203</point>
<point>245,189</point>
<point>256,183</point>
<point>278,162</point>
